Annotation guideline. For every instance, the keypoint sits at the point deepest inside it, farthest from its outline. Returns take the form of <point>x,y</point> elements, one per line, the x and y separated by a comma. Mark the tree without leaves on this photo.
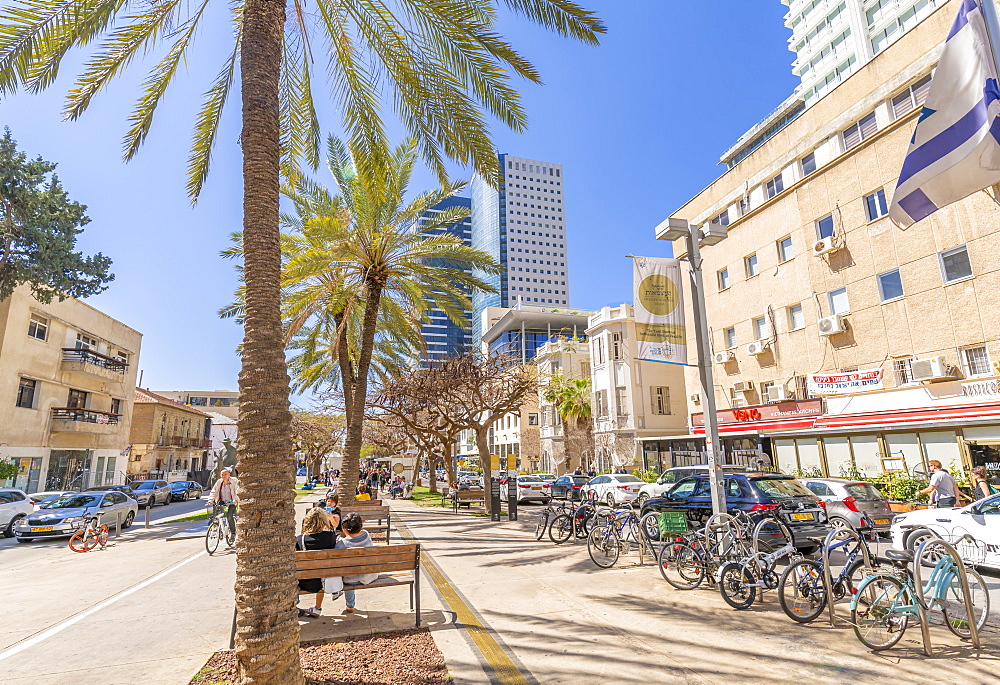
<point>38,229</point>
<point>316,434</point>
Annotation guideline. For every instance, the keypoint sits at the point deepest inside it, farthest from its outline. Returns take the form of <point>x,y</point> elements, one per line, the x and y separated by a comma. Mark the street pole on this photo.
<point>712,442</point>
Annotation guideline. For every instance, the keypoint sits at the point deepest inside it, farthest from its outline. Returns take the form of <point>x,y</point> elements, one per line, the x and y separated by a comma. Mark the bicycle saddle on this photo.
<point>898,555</point>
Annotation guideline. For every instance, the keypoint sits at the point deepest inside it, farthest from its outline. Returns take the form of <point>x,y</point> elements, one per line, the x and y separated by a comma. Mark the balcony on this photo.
<point>189,443</point>
<point>73,420</point>
<point>94,364</point>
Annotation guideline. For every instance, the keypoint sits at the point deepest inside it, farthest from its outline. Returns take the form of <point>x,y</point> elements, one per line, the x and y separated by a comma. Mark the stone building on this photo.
<point>169,439</point>
<point>571,359</point>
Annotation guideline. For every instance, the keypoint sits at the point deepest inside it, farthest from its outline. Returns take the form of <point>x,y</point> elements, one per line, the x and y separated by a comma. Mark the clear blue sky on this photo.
<point>638,123</point>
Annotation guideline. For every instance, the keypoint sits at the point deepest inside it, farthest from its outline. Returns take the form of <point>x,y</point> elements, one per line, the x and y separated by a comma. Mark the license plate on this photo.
<point>536,487</point>
<point>881,522</point>
<point>803,517</point>
<point>41,529</point>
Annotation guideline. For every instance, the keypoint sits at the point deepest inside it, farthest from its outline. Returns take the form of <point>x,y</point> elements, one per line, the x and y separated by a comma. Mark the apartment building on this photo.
<point>67,376</point>
<point>840,340</point>
<point>570,359</point>
<point>516,434</point>
<point>225,402</point>
<point>169,439</point>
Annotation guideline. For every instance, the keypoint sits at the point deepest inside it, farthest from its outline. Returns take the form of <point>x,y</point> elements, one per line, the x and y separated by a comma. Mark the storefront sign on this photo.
<point>844,383</point>
<point>765,412</point>
<point>990,388</point>
<point>659,310</point>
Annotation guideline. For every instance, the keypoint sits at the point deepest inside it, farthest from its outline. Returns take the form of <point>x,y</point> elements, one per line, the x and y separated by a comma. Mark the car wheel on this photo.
<point>8,532</point>
<point>129,518</point>
<point>185,497</point>
<point>167,500</point>
<point>610,500</point>
<point>838,522</point>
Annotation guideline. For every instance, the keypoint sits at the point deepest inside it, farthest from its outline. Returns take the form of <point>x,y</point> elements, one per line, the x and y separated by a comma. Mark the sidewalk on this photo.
<point>560,619</point>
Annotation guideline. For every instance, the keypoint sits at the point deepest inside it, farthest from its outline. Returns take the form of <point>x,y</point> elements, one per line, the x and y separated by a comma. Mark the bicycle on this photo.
<point>886,601</point>
<point>218,528</point>
<point>551,510</point>
<point>561,527</point>
<point>739,580</point>
<point>689,559</point>
<point>89,536</point>
<point>606,541</point>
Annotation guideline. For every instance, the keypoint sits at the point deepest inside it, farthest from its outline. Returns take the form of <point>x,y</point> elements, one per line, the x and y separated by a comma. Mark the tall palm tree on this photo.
<point>439,61</point>
<point>571,397</point>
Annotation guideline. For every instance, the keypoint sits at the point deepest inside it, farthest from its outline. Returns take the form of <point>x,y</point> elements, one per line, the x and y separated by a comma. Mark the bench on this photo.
<point>395,564</point>
<point>466,497</point>
<point>370,514</point>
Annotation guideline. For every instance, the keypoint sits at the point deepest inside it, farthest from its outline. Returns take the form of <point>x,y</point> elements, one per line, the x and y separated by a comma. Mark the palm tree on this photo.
<point>571,397</point>
<point>439,63</point>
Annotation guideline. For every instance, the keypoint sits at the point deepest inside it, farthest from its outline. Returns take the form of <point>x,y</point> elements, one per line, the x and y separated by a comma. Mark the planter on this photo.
<point>903,507</point>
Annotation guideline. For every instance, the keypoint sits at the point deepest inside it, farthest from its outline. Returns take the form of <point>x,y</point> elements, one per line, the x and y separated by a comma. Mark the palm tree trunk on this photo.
<point>267,634</point>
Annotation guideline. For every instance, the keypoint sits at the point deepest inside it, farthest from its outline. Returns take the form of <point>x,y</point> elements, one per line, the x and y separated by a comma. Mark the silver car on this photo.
<point>64,516</point>
<point>852,503</point>
<point>150,492</point>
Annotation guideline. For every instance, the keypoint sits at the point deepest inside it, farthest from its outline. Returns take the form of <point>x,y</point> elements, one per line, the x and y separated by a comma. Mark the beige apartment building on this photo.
<point>516,434</point>
<point>67,379</point>
<point>225,402</point>
<point>838,338</point>
<point>168,439</point>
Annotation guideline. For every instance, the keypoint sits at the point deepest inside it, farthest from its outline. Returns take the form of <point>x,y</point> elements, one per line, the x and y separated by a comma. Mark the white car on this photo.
<point>613,488</point>
<point>980,519</point>
<point>529,488</point>
<point>14,506</point>
<point>547,477</point>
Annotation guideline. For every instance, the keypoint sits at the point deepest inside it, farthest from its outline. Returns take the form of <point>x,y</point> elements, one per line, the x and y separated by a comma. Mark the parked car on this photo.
<point>613,488</point>
<point>184,490</point>
<point>852,503</point>
<point>40,499</point>
<point>569,486</point>
<point>980,519</point>
<point>124,489</point>
<point>149,492</point>
<point>14,506</point>
<point>529,488</point>
<point>547,477</point>
<point>752,491</point>
<point>676,473</point>
<point>300,472</point>
<point>64,516</point>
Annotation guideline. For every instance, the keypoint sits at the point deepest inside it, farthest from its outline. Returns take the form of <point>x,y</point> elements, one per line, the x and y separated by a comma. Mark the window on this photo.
<point>198,401</point>
<point>532,419</point>
<point>911,98</point>
<point>955,264</point>
<point>796,319</point>
<point>801,388</point>
<point>824,227</point>
<point>760,328</point>
<point>730,336</point>
<point>617,346</point>
<point>750,264</point>
<point>602,402</point>
<point>77,399</point>
<point>38,328</point>
<point>808,164</point>
<point>723,276</point>
<point>860,131</point>
<point>838,301</point>
<point>774,186</point>
<point>875,206</point>
<point>26,393</point>
<point>975,361</point>
<point>621,401</point>
<point>661,400</point>
<point>890,285</point>
<point>764,387</point>
<point>903,370</point>
<point>84,342</point>
<point>785,251</point>
<point>116,405</point>
<point>743,206</point>
<point>722,219</point>
<point>598,352</point>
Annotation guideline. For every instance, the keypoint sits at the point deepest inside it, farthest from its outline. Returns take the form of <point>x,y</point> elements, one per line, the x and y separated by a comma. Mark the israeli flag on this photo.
<point>955,149</point>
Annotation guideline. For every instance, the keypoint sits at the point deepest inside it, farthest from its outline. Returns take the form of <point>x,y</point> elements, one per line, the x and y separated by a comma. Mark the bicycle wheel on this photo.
<point>541,524</point>
<point>102,535</point>
<point>736,585</point>
<point>801,592</point>
<point>876,619</point>
<point>681,565</point>
<point>83,541</point>
<point>213,537</point>
<point>561,528</point>
<point>602,546</point>
<point>583,522</point>
<point>953,604</point>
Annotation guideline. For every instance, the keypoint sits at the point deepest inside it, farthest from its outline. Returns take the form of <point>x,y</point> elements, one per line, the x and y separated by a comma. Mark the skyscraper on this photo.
<point>522,225</point>
<point>442,336</point>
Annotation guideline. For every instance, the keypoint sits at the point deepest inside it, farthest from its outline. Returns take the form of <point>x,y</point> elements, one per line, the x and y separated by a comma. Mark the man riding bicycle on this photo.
<point>225,493</point>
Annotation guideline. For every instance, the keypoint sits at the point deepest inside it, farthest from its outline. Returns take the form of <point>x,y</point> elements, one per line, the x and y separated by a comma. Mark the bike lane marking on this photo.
<point>59,627</point>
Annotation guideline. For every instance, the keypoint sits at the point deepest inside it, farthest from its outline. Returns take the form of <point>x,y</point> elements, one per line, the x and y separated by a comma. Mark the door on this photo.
<point>701,499</point>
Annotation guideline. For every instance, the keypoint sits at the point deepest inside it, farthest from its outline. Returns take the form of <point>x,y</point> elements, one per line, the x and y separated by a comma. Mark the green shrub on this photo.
<point>900,486</point>
<point>648,475</point>
<point>811,472</point>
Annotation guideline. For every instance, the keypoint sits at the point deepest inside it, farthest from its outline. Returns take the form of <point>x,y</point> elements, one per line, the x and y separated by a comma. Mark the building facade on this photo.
<point>523,330</point>
<point>841,341</point>
<point>569,359</point>
<point>168,439</point>
<point>225,402</point>
<point>516,434</point>
<point>67,373</point>
<point>522,225</point>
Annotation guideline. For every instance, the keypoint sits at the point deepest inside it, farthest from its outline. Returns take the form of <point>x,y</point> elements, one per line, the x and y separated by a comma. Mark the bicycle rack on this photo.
<point>922,601</point>
<point>827,577</point>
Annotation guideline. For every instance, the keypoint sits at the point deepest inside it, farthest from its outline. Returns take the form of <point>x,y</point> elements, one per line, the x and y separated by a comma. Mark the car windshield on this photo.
<point>74,502</point>
<point>144,485</point>
<point>627,479</point>
<point>580,479</point>
<point>863,491</point>
<point>781,487</point>
<point>529,479</point>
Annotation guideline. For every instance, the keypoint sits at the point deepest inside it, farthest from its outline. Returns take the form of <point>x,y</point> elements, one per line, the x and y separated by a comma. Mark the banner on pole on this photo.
<point>842,383</point>
<point>659,310</point>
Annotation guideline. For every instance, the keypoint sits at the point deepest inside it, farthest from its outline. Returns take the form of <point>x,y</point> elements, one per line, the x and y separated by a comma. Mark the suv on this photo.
<point>752,491</point>
<point>149,492</point>
<point>672,475</point>
<point>14,506</point>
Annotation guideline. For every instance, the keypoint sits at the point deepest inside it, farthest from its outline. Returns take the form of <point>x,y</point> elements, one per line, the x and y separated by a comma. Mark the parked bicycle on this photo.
<point>561,528</point>
<point>620,528</point>
<point>740,580</point>
<point>552,510</point>
<point>689,559</point>
<point>218,528</point>
<point>92,534</point>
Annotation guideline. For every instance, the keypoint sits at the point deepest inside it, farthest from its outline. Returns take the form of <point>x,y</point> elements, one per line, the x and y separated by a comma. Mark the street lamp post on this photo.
<point>709,235</point>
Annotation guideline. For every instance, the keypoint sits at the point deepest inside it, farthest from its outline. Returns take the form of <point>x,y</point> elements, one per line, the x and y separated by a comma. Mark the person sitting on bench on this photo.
<point>316,534</point>
<point>352,536</point>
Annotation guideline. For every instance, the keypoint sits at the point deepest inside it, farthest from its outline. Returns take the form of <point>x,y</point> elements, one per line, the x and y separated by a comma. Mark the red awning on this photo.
<point>890,418</point>
<point>755,427</point>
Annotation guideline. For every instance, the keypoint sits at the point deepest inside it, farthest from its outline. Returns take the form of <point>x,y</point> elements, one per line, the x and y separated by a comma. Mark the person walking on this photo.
<point>980,483</point>
<point>943,491</point>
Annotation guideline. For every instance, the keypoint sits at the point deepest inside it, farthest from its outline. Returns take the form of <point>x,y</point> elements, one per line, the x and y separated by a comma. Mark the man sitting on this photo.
<point>353,536</point>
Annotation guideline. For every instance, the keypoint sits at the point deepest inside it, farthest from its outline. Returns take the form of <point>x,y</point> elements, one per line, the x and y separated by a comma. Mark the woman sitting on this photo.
<point>363,494</point>
<point>316,534</point>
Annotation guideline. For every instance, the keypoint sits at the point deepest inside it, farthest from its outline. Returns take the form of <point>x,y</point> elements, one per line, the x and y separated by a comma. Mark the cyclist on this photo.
<point>225,493</point>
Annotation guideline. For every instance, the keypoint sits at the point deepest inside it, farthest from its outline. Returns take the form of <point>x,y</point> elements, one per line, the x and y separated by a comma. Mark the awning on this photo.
<point>756,427</point>
<point>910,417</point>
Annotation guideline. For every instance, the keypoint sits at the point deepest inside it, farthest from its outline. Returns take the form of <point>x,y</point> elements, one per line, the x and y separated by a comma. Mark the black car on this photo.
<point>184,490</point>
<point>569,486</point>
<point>752,492</point>
<point>124,489</point>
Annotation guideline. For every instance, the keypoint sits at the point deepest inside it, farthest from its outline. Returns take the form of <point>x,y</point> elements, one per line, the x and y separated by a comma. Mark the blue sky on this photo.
<point>638,124</point>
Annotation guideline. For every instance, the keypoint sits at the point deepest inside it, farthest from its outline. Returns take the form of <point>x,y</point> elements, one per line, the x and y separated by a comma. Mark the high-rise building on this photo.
<point>522,225</point>
<point>443,337</point>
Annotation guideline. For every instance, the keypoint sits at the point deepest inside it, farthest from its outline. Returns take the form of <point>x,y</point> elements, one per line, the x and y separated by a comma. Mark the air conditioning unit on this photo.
<point>930,369</point>
<point>757,347</point>
<point>743,386</point>
<point>831,325</point>
<point>695,398</point>
<point>824,246</point>
<point>777,393</point>
<point>723,357</point>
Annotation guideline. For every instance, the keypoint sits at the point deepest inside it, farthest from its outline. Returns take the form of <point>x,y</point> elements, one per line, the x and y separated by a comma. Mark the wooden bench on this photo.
<point>467,497</point>
<point>370,514</point>
<point>395,564</point>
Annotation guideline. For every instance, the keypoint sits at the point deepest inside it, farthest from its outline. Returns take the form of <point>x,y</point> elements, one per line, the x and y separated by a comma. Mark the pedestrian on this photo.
<point>591,472</point>
<point>980,484</point>
<point>225,493</point>
<point>943,491</point>
<point>579,471</point>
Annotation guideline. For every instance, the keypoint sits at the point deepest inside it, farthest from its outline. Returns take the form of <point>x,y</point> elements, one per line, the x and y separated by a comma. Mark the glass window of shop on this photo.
<point>808,449</point>
<point>943,446</point>
<point>867,456</point>
<point>903,446</point>
<point>784,456</point>
<point>28,470</point>
<point>838,454</point>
